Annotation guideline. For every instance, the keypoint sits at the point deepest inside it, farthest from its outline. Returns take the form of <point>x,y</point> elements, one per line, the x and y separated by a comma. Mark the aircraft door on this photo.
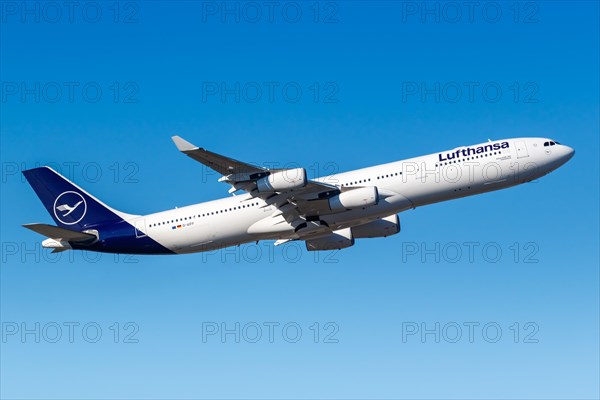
<point>521,149</point>
<point>140,228</point>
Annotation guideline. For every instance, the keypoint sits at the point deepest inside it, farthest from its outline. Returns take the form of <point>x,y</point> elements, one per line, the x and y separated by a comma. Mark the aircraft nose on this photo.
<point>569,153</point>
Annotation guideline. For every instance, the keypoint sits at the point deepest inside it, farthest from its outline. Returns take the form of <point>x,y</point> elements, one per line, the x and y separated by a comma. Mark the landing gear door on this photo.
<point>521,149</point>
<point>140,228</point>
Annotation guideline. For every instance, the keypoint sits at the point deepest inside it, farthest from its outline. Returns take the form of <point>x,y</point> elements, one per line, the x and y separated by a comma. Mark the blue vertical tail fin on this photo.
<point>68,204</point>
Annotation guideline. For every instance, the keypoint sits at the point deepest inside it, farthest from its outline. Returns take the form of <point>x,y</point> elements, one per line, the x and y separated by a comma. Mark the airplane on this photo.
<point>283,205</point>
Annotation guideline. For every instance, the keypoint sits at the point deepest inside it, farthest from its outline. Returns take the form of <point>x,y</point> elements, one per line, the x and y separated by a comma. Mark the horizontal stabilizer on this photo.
<point>54,232</point>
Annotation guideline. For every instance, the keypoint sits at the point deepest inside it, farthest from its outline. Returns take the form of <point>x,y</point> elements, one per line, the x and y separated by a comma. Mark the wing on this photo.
<point>308,200</point>
<point>223,165</point>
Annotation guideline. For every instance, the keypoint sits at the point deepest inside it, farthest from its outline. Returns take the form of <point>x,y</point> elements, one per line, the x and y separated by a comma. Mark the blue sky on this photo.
<point>97,91</point>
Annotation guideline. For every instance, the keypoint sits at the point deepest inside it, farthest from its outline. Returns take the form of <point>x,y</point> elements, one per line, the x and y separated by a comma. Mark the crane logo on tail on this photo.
<point>70,207</point>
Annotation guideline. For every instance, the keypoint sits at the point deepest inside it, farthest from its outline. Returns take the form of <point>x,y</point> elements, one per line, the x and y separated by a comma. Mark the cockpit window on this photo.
<point>546,144</point>
<point>552,143</point>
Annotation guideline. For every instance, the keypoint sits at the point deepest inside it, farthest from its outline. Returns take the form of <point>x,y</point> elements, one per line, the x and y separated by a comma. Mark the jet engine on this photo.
<point>335,240</point>
<point>284,180</point>
<point>380,228</point>
<point>360,197</point>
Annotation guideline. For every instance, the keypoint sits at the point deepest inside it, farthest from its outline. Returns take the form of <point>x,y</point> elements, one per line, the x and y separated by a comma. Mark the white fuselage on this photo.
<point>402,185</point>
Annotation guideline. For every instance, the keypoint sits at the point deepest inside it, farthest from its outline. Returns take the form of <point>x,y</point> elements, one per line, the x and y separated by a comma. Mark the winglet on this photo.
<point>183,145</point>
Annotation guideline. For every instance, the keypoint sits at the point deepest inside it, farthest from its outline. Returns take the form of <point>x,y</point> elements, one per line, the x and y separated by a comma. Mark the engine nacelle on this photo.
<point>336,240</point>
<point>280,181</point>
<point>355,198</point>
<point>380,228</point>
